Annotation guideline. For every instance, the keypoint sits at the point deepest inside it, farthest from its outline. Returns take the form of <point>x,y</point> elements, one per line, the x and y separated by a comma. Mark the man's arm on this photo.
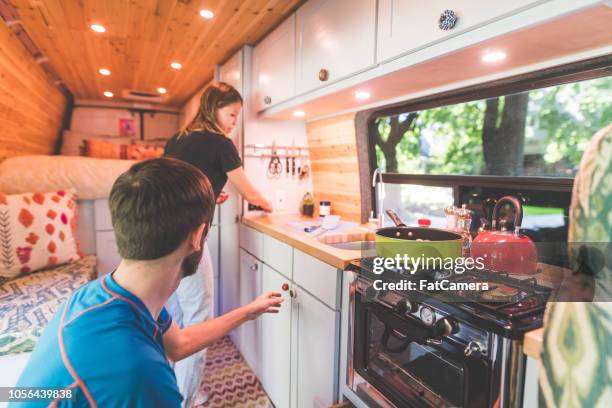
<point>180,343</point>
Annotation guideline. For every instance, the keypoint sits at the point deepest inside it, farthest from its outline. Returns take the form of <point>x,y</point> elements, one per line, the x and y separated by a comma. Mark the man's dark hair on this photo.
<point>156,204</point>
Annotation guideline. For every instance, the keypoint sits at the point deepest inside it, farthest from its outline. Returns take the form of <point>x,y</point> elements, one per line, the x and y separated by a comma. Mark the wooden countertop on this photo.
<point>532,344</point>
<point>277,226</point>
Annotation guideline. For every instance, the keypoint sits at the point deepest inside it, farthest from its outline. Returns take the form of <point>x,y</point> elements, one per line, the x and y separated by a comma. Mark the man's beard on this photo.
<point>190,263</point>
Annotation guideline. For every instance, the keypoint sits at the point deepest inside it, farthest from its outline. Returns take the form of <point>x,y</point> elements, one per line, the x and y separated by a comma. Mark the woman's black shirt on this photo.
<point>212,153</point>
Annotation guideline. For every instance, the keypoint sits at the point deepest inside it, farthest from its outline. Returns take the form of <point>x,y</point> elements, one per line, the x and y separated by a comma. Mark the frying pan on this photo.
<point>416,241</point>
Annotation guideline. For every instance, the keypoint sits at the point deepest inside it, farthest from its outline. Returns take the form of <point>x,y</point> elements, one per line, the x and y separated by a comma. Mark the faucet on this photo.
<point>377,181</point>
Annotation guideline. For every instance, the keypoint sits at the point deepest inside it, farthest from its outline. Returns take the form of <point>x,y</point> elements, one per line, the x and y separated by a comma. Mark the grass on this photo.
<point>532,210</point>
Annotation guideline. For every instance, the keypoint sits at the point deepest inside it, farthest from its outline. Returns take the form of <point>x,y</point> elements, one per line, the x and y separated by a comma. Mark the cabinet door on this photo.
<point>274,66</point>
<point>212,240</point>
<point>406,25</point>
<point>317,335</point>
<point>249,333</point>
<point>276,342</point>
<point>333,35</point>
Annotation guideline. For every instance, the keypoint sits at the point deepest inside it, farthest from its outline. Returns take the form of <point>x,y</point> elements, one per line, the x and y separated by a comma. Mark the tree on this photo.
<point>394,134</point>
<point>503,144</point>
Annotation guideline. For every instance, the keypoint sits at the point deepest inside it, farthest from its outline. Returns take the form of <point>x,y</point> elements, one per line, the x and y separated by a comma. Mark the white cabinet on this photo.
<point>337,36</point>
<point>278,255</point>
<point>249,333</point>
<point>317,356</point>
<point>407,25</point>
<point>276,343</point>
<point>251,241</point>
<point>274,66</point>
<point>318,278</point>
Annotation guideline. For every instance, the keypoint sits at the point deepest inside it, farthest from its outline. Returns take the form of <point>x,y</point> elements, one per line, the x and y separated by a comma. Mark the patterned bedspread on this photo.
<point>28,302</point>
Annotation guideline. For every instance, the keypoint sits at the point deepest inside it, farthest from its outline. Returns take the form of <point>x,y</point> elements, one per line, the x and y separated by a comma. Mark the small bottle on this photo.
<point>451,217</point>
<point>464,217</point>
<point>324,208</point>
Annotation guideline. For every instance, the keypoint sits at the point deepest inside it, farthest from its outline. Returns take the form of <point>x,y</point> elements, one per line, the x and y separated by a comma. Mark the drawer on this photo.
<point>102,216</point>
<point>251,241</point>
<point>278,255</point>
<point>106,252</point>
<point>318,278</point>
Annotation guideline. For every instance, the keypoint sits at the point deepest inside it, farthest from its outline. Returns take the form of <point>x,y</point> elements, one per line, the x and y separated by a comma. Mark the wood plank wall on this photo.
<point>335,168</point>
<point>31,107</point>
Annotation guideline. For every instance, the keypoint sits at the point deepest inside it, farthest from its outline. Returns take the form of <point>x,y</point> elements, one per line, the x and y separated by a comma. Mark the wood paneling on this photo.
<point>31,107</point>
<point>142,38</point>
<point>335,168</point>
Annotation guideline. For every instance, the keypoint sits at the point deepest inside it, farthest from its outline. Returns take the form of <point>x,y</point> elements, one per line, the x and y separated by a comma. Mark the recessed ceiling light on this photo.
<point>98,28</point>
<point>162,90</point>
<point>108,94</point>
<point>362,94</point>
<point>493,56</point>
<point>207,14</point>
<point>176,65</point>
<point>104,71</point>
<point>299,114</point>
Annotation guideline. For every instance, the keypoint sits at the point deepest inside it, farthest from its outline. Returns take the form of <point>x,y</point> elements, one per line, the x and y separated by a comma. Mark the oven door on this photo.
<point>391,353</point>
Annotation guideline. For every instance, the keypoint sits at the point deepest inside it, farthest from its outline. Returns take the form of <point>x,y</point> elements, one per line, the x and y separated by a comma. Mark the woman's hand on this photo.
<point>265,205</point>
<point>223,196</point>
<point>268,302</point>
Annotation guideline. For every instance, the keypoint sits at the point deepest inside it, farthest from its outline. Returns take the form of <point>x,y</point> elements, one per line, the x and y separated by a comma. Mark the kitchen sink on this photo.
<point>355,245</point>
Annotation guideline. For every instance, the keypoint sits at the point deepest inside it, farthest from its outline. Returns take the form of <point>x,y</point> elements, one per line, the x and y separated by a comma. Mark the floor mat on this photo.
<point>229,381</point>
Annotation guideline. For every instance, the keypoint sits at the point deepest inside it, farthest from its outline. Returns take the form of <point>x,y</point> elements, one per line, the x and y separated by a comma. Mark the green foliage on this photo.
<point>560,122</point>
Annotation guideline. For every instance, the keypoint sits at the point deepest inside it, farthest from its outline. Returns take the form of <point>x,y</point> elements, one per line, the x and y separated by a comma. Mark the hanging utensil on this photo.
<point>275,167</point>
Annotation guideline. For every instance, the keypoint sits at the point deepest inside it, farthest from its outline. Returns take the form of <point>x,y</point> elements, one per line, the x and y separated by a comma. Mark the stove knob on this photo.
<point>475,347</point>
<point>404,306</point>
<point>443,327</point>
<point>371,293</point>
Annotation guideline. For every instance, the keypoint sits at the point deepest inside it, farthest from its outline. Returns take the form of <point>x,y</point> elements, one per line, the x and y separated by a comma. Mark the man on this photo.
<point>108,345</point>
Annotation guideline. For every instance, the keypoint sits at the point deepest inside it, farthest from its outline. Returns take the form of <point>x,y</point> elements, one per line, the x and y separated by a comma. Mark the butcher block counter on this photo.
<point>279,226</point>
<point>532,344</point>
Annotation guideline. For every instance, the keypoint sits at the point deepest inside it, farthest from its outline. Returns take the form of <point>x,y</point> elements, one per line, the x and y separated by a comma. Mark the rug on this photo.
<point>229,381</point>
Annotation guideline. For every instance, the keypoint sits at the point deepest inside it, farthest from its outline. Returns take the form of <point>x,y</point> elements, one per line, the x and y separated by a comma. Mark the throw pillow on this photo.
<point>37,230</point>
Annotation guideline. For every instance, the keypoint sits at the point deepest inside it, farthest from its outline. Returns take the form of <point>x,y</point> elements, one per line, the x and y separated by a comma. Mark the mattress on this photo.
<point>28,302</point>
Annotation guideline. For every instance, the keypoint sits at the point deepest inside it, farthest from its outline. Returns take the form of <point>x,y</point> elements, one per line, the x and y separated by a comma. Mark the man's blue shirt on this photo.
<point>105,346</point>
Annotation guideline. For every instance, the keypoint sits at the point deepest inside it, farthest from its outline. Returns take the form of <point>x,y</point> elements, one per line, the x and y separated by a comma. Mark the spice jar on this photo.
<point>324,208</point>
<point>451,217</point>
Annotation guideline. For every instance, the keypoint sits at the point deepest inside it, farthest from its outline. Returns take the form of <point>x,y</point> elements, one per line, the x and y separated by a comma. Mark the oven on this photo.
<point>407,353</point>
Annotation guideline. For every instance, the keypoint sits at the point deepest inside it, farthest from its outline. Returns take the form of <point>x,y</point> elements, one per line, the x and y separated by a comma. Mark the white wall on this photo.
<point>98,118</point>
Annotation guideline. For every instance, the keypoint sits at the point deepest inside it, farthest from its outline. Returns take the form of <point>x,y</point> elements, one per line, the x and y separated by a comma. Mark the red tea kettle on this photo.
<point>506,251</point>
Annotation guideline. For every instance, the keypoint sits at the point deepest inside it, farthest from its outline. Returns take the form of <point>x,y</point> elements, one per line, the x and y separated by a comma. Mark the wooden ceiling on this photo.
<point>142,38</point>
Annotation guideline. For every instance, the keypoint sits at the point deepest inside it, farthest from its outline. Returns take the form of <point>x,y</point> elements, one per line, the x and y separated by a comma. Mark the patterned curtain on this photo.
<point>576,360</point>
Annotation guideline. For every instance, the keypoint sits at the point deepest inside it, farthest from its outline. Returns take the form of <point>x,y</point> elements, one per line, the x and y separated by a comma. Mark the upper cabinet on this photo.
<point>274,66</point>
<point>407,25</point>
<point>335,38</point>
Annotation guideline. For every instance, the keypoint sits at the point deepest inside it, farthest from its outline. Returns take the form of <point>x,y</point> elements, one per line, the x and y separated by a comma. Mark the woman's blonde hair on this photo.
<point>216,96</point>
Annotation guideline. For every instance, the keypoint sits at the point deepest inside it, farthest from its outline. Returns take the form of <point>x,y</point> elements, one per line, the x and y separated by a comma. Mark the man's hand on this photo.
<point>223,196</point>
<point>268,302</point>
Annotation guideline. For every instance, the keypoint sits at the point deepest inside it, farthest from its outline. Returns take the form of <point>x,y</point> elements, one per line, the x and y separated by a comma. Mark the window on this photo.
<point>540,132</point>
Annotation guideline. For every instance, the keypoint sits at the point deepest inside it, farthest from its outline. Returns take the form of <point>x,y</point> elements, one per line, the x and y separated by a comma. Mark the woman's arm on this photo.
<point>250,193</point>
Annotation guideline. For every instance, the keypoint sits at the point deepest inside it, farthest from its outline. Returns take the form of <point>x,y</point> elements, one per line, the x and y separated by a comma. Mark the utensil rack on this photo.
<point>265,151</point>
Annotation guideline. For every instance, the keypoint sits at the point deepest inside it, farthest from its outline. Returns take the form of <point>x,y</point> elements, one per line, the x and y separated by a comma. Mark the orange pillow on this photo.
<point>103,149</point>
<point>37,231</point>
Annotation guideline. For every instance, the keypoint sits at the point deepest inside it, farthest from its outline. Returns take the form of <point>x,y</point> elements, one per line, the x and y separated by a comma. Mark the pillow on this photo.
<point>73,142</point>
<point>105,149</point>
<point>36,231</point>
<point>143,152</point>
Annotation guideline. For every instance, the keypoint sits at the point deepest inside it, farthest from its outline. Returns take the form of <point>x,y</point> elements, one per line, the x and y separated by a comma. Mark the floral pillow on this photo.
<point>37,231</point>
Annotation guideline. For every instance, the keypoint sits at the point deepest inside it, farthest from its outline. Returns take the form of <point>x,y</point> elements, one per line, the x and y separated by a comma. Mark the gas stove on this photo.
<point>415,341</point>
<point>510,307</point>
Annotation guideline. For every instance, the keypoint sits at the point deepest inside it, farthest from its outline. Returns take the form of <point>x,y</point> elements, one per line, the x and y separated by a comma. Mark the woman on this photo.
<point>204,142</point>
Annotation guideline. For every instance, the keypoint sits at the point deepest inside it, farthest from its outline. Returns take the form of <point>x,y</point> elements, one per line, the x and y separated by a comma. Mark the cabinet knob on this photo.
<point>323,75</point>
<point>254,267</point>
<point>293,293</point>
<point>267,100</point>
<point>285,287</point>
<point>447,20</point>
